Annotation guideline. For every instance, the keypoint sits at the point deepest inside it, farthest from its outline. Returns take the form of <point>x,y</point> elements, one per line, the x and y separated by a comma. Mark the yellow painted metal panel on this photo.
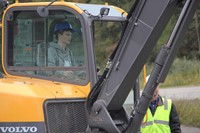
<point>22,98</point>
<point>120,10</point>
<point>60,3</point>
<point>18,108</point>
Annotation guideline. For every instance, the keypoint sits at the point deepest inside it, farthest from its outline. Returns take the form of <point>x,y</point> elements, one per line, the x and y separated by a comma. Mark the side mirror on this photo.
<point>43,11</point>
<point>104,11</point>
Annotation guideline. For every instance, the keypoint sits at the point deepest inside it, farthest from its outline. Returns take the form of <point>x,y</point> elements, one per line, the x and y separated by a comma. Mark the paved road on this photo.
<point>190,129</point>
<point>189,92</point>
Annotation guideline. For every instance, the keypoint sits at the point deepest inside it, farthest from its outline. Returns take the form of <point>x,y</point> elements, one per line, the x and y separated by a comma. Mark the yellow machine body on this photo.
<point>30,101</point>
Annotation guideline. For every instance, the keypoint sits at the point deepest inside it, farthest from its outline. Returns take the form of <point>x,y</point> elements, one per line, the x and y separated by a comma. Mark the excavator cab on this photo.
<point>30,36</point>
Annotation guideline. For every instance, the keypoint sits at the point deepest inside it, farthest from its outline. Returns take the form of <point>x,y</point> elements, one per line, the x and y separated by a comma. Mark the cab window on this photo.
<point>42,47</point>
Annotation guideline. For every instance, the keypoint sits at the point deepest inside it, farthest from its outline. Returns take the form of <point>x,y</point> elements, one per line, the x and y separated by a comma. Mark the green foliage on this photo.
<point>189,48</point>
<point>188,111</point>
<point>106,37</point>
<point>183,72</point>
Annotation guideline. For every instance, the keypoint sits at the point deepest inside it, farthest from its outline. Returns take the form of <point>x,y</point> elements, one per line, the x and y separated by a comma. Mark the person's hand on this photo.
<point>68,73</point>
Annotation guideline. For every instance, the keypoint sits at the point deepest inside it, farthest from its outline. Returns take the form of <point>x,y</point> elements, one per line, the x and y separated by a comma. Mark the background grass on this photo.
<point>183,72</point>
<point>189,112</point>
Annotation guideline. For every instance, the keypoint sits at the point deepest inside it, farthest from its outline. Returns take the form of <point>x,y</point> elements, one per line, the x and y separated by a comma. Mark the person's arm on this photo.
<point>73,61</point>
<point>175,125</point>
<point>52,55</point>
<point>52,60</point>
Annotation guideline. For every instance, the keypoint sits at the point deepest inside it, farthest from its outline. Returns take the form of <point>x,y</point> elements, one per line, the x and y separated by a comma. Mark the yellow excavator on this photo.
<point>31,99</point>
<point>36,97</point>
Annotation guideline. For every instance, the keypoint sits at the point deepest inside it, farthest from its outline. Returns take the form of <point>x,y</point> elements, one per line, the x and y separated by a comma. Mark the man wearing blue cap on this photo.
<point>58,53</point>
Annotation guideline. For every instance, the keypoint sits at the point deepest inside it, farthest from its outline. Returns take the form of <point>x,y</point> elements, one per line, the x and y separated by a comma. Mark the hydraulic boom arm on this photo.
<point>144,27</point>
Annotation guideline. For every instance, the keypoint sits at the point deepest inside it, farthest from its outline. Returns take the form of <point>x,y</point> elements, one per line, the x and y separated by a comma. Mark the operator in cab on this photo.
<point>58,53</point>
<point>161,116</point>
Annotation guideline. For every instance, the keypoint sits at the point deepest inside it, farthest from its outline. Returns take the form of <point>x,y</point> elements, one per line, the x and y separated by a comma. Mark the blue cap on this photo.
<point>63,26</point>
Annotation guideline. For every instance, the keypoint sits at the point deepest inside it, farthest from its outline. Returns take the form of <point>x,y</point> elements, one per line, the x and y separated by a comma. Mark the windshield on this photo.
<point>49,47</point>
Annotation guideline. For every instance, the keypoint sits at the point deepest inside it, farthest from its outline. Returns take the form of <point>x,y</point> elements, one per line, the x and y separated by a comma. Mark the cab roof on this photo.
<point>94,9</point>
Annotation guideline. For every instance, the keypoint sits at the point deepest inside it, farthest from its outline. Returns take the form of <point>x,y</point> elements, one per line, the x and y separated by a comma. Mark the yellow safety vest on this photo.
<point>159,123</point>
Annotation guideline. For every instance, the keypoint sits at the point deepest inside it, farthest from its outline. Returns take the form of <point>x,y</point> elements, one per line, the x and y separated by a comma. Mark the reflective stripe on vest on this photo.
<point>159,123</point>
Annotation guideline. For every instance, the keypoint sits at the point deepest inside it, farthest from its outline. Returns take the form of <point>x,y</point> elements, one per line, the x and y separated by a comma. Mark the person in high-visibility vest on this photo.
<point>161,116</point>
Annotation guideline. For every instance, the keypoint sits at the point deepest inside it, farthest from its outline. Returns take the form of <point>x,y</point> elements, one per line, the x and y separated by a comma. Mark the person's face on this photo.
<point>66,37</point>
<point>155,95</point>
